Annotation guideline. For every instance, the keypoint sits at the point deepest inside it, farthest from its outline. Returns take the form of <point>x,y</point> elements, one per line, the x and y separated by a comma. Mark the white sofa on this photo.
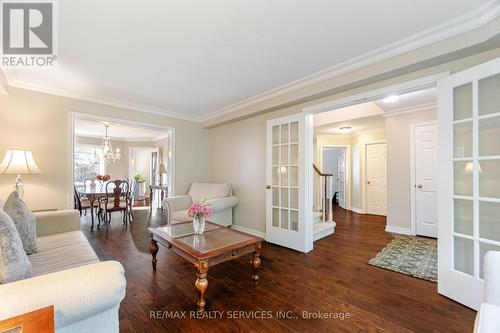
<point>219,195</point>
<point>86,293</point>
<point>488,316</point>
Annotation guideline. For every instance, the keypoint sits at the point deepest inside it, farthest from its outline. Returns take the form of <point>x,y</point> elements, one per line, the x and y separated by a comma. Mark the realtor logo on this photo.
<point>28,29</point>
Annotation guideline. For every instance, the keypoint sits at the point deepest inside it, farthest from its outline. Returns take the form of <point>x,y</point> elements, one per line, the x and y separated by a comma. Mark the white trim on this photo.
<point>413,181</point>
<point>357,210</point>
<point>351,135</point>
<point>411,109</point>
<point>73,115</point>
<point>249,230</point>
<point>347,173</point>
<point>462,24</point>
<point>101,100</point>
<point>96,136</point>
<point>399,230</point>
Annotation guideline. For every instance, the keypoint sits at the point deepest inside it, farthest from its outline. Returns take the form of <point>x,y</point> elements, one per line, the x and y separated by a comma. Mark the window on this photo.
<point>89,163</point>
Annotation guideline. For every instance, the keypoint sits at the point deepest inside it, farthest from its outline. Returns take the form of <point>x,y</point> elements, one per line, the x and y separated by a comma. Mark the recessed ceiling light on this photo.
<point>391,99</point>
<point>345,129</point>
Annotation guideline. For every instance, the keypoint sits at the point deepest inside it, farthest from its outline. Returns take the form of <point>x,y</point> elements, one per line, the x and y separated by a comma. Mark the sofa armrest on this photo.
<point>77,293</point>
<point>492,277</point>
<point>50,223</point>
<point>175,203</point>
<point>221,204</point>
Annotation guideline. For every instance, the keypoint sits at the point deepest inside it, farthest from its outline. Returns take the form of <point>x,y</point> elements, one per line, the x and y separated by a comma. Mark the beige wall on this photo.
<point>238,149</point>
<point>398,166</point>
<point>41,123</point>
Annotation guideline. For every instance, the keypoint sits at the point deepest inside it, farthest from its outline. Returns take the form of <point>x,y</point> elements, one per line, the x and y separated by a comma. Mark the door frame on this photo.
<point>413,169</point>
<point>364,185</point>
<point>425,82</point>
<point>74,115</point>
<point>347,172</point>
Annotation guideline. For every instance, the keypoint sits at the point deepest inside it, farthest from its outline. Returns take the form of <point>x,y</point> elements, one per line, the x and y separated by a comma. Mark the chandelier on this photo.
<point>107,148</point>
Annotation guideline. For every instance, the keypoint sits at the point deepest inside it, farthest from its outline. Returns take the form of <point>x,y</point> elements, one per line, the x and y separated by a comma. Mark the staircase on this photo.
<point>323,224</point>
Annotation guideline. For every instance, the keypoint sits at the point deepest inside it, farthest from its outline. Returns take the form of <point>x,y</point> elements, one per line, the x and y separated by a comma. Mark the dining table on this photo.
<point>92,193</point>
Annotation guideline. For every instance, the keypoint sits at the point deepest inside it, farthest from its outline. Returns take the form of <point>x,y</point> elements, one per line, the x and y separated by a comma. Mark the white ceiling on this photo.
<point>356,125</point>
<point>193,57</point>
<point>410,100</point>
<point>117,131</point>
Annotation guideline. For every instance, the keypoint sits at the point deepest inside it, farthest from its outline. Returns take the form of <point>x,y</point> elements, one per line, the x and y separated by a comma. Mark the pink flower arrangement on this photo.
<point>199,210</point>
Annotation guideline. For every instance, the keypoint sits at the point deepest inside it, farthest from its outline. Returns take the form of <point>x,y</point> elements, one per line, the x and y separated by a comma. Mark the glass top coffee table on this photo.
<point>217,244</point>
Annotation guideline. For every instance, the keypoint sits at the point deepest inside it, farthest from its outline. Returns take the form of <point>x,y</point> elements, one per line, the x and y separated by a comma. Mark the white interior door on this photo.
<point>286,184</point>
<point>425,187</point>
<point>341,178</point>
<point>376,183</point>
<point>469,179</point>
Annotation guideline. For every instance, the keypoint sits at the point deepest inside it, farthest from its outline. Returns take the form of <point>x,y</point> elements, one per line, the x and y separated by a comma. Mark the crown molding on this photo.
<point>410,109</point>
<point>100,137</point>
<point>462,24</point>
<point>99,100</point>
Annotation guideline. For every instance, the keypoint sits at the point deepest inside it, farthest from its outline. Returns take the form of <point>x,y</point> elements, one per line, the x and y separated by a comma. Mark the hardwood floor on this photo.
<point>333,278</point>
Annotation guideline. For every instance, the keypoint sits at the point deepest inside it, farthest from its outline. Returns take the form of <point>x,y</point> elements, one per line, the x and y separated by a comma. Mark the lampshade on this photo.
<point>19,162</point>
<point>162,169</point>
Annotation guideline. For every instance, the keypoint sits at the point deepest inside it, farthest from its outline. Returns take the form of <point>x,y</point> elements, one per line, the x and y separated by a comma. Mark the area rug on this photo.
<point>411,256</point>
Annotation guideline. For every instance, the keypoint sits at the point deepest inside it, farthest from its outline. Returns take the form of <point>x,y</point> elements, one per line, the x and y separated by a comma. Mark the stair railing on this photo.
<point>323,193</point>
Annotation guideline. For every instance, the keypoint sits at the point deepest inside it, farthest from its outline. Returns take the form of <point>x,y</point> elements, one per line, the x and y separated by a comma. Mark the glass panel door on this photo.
<point>285,186</point>
<point>469,206</point>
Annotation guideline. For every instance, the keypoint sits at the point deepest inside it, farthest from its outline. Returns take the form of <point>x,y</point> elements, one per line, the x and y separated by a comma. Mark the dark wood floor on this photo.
<point>334,277</point>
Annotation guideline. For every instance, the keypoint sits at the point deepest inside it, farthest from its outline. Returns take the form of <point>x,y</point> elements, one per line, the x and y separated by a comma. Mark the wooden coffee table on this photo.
<point>216,245</point>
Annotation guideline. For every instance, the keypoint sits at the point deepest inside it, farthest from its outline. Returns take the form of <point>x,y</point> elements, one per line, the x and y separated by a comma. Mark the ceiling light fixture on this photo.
<point>107,149</point>
<point>391,99</point>
<point>345,129</point>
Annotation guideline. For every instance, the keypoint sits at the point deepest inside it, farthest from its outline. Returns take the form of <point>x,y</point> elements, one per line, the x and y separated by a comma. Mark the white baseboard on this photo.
<point>249,231</point>
<point>398,230</point>
<point>357,210</point>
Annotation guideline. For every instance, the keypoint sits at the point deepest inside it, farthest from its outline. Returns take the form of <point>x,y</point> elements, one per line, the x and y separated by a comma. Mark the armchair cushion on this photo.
<point>49,223</point>
<point>24,220</point>
<point>180,215</point>
<point>207,191</point>
<point>221,204</point>
<point>14,263</point>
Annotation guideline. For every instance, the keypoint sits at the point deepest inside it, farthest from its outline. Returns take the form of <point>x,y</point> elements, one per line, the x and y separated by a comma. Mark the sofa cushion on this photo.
<point>487,319</point>
<point>24,220</point>
<point>14,263</point>
<point>62,251</point>
<point>206,191</point>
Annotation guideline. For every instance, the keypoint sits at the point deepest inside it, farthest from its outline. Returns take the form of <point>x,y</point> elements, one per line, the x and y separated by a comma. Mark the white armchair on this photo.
<point>488,316</point>
<point>220,196</point>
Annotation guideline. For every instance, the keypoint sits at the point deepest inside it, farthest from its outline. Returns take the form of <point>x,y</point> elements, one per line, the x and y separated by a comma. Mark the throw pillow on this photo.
<point>14,263</point>
<point>24,220</point>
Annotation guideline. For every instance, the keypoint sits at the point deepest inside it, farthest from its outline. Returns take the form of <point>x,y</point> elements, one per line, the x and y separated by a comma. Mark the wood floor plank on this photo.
<point>334,277</point>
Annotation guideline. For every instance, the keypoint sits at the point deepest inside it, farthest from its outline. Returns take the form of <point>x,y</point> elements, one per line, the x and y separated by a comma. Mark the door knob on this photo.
<point>368,182</point>
<point>419,186</point>
<point>268,187</point>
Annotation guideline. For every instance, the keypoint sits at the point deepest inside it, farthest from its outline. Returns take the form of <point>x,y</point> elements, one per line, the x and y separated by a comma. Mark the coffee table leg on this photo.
<point>255,262</point>
<point>201,283</point>
<point>153,248</point>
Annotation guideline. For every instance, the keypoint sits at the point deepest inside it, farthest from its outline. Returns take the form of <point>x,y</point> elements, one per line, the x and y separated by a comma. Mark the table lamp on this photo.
<point>162,171</point>
<point>19,162</point>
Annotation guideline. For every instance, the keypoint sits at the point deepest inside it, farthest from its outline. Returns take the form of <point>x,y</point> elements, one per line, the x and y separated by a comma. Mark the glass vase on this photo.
<point>198,225</point>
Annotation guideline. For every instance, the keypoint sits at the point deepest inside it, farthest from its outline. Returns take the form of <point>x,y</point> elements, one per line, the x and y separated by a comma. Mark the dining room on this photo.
<point>119,166</point>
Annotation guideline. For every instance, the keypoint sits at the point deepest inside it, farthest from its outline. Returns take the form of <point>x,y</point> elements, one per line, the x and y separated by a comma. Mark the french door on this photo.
<point>469,179</point>
<point>287,184</point>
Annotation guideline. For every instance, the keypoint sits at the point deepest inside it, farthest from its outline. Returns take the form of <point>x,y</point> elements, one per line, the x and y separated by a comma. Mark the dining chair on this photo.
<point>131,199</point>
<point>115,200</point>
<point>81,203</point>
